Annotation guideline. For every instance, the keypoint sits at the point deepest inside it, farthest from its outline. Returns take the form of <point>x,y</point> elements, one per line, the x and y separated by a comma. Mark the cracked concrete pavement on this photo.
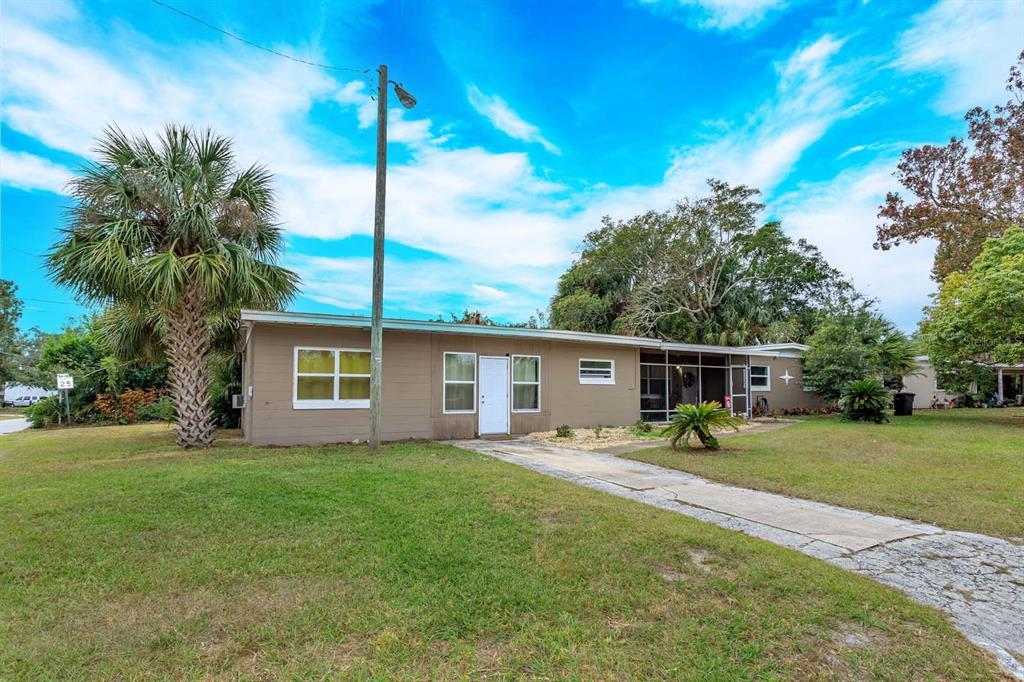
<point>977,580</point>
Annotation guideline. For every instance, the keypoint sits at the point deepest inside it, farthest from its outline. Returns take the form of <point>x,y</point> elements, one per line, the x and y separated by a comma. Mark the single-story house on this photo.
<point>927,386</point>
<point>306,378</point>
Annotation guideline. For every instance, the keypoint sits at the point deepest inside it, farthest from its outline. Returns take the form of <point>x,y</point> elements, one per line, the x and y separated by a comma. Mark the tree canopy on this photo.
<point>978,316</point>
<point>855,345</point>
<point>965,191</point>
<point>174,238</point>
<point>705,271</point>
<point>10,313</point>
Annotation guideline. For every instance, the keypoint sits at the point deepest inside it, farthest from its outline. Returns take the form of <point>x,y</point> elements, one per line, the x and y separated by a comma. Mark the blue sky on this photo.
<point>534,120</point>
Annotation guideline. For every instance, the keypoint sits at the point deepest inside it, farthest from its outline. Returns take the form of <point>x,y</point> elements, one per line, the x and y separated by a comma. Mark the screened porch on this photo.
<point>668,378</point>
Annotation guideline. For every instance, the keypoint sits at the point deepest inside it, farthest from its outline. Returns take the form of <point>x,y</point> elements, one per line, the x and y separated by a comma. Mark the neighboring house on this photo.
<point>306,378</point>
<point>1010,383</point>
<point>13,392</point>
<point>925,385</point>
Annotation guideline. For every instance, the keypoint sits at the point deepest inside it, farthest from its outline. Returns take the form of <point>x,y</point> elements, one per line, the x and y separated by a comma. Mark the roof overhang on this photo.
<point>394,324</point>
<point>249,317</point>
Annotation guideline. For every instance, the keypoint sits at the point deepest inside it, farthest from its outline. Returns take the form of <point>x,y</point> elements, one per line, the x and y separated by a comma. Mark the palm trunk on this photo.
<point>188,350</point>
<point>707,440</point>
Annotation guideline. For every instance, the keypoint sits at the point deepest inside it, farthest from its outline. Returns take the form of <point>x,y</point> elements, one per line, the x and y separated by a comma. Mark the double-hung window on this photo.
<point>328,378</point>
<point>760,378</point>
<point>459,383</point>
<point>526,383</point>
<point>597,371</point>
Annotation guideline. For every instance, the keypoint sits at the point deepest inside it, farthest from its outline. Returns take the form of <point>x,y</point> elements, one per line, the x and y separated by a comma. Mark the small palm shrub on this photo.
<point>563,431</point>
<point>46,412</point>
<point>699,420</point>
<point>865,400</point>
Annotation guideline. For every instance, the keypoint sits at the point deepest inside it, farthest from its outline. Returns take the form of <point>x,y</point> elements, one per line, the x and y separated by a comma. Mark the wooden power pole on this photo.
<point>377,305</point>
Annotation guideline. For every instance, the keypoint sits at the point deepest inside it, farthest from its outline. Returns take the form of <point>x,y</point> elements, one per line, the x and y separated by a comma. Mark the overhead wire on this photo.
<point>257,45</point>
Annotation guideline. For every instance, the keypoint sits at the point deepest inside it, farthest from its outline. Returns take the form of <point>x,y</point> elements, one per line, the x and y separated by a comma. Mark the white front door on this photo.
<point>493,395</point>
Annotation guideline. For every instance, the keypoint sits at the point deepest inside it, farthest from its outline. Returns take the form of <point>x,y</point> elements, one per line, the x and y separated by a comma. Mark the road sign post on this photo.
<point>66,382</point>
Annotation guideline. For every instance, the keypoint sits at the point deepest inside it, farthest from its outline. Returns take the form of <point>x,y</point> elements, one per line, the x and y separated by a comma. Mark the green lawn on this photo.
<point>122,557</point>
<point>960,469</point>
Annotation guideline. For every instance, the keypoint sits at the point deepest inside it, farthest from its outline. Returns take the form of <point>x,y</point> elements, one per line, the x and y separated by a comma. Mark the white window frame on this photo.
<point>335,403</point>
<point>445,382</point>
<point>767,374</point>
<point>596,380</point>
<point>512,374</point>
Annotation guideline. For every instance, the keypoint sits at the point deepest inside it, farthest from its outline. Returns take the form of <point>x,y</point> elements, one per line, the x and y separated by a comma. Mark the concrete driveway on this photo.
<point>13,425</point>
<point>977,580</point>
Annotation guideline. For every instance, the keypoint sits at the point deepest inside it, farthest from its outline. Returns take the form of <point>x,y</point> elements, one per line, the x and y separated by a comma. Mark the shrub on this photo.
<point>564,431</point>
<point>865,400</point>
<point>698,420</point>
<point>643,427</point>
<point>124,407</point>
<point>162,410</point>
<point>597,431</point>
<point>44,413</point>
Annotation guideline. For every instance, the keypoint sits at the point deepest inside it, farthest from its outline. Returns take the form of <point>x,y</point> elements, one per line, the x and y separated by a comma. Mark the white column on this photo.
<point>999,385</point>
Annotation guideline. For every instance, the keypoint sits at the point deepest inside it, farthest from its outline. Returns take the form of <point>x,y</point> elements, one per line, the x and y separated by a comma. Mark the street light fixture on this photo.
<point>377,305</point>
<point>404,96</point>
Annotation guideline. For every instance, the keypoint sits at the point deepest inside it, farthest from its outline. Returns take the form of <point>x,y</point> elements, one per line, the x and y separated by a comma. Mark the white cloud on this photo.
<point>839,217</point>
<point>484,292</point>
<point>487,212</point>
<point>810,96</point>
<point>429,288</point>
<point>501,232</point>
<point>718,15</point>
<point>972,44</point>
<point>28,171</point>
<point>504,118</point>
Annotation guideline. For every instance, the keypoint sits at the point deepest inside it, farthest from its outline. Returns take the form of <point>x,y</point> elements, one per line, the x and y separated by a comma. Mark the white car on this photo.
<point>25,400</point>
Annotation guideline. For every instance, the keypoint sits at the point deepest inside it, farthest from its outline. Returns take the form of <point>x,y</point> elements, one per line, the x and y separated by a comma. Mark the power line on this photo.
<point>256,45</point>
<point>44,300</point>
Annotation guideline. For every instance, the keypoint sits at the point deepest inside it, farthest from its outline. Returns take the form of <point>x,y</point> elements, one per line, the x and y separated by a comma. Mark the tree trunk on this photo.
<point>188,352</point>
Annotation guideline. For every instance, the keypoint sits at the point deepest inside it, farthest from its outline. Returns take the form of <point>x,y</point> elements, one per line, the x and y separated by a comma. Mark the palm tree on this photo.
<point>895,357</point>
<point>174,238</point>
<point>699,420</point>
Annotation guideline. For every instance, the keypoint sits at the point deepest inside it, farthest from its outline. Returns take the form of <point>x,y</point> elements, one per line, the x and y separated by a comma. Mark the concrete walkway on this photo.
<point>977,580</point>
<point>13,425</point>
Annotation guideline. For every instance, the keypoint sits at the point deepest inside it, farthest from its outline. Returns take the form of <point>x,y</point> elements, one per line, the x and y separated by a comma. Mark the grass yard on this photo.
<point>123,557</point>
<point>960,469</point>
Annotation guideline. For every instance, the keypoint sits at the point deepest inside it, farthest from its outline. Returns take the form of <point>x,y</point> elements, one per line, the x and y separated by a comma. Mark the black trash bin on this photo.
<point>903,404</point>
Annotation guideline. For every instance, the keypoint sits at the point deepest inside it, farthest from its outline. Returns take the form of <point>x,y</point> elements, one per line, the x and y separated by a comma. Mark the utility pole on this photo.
<point>377,305</point>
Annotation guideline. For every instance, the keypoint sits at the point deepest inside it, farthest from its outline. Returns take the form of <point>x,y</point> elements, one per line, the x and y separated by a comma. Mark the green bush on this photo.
<point>162,410</point>
<point>698,420</point>
<point>564,431</point>
<point>44,413</point>
<point>865,400</point>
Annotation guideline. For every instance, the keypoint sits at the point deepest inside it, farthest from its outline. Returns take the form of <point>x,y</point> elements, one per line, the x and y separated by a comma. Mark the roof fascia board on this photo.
<point>392,324</point>
<point>445,328</point>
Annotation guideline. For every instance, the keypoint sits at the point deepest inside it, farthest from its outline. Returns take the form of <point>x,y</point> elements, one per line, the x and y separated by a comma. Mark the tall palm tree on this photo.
<point>174,238</point>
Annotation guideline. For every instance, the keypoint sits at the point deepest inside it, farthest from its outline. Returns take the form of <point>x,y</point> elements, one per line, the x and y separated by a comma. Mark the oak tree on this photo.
<point>961,193</point>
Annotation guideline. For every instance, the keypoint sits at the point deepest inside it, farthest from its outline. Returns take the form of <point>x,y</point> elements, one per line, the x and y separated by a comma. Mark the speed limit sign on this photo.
<point>65,382</point>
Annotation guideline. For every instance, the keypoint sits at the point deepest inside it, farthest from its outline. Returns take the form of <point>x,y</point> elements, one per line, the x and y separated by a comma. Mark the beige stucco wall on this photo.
<point>412,374</point>
<point>783,396</point>
<point>922,385</point>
